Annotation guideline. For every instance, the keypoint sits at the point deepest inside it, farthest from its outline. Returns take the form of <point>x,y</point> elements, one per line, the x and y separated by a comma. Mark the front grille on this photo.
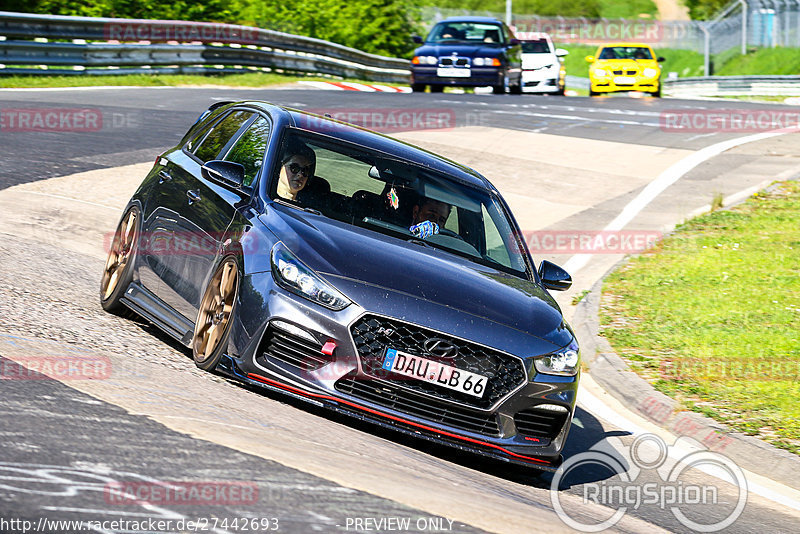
<point>630,72</point>
<point>390,396</point>
<point>372,335</point>
<point>617,72</point>
<point>450,61</point>
<point>540,423</point>
<point>288,348</point>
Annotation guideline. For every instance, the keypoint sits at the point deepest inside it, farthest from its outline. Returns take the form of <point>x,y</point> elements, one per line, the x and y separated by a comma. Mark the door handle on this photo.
<point>164,176</point>
<point>193,196</point>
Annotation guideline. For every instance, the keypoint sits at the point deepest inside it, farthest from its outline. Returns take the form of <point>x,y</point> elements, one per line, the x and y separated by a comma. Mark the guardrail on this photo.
<point>733,86</point>
<point>32,43</point>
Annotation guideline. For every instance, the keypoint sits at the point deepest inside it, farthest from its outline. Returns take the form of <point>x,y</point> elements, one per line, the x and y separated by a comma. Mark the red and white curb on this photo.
<point>353,86</point>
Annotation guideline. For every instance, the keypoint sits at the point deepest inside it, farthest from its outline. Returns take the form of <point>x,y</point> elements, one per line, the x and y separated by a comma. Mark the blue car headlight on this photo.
<point>565,362</point>
<point>293,275</point>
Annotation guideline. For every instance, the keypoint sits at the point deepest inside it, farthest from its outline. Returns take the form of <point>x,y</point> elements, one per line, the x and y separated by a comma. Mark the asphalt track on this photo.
<point>563,163</point>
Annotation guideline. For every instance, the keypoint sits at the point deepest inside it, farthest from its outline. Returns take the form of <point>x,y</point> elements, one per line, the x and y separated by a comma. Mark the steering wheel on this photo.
<point>449,233</point>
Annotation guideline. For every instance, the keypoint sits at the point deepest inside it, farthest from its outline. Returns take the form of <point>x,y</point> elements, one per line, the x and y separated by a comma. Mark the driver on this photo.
<point>428,216</point>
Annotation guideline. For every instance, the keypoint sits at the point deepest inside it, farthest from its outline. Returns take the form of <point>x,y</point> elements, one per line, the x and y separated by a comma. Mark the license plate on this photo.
<point>446,72</point>
<point>435,372</point>
<point>624,80</point>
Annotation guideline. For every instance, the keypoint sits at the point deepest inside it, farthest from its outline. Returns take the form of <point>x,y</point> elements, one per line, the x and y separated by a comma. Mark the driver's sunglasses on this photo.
<point>296,169</point>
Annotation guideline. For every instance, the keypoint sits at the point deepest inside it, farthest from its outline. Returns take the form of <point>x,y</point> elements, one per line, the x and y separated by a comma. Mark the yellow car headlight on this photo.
<point>600,72</point>
<point>650,72</point>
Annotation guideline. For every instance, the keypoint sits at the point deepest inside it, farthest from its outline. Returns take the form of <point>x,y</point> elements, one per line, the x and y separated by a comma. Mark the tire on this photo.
<point>417,87</point>
<point>657,94</point>
<point>515,89</point>
<point>593,93</point>
<point>437,88</point>
<point>499,89</point>
<point>118,272</point>
<point>217,307</point>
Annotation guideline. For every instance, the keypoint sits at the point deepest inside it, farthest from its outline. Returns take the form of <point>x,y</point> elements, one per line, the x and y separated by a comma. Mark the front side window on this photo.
<point>396,198</point>
<point>218,136</point>
<point>249,149</point>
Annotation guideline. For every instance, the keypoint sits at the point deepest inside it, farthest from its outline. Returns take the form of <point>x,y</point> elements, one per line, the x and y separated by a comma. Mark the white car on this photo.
<point>542,67</point>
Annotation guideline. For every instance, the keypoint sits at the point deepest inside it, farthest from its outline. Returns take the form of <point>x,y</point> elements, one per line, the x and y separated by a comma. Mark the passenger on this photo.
<point>297,167</point>
<point>428,216</point>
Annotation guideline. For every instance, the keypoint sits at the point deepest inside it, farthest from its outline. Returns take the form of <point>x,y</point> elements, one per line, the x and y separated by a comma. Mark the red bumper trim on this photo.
<point>286,387</point>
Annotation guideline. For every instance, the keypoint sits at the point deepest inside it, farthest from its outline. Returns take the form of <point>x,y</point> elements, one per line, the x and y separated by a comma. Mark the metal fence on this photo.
<point>52,44</point>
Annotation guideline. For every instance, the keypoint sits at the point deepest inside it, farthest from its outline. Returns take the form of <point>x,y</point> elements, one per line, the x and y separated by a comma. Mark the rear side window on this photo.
<point>249,149</point>
<point>219,135</point>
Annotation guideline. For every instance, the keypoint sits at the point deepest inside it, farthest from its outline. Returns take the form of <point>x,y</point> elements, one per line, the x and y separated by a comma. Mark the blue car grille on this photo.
<point>408,402</point>
<point>372,335</point>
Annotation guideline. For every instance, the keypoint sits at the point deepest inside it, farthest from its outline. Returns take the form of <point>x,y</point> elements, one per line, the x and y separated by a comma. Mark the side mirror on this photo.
<point>224,172</point>
<point>513,41</point>
<point>560,52</point>
<point>416,38</point>
<point>554,277</point>
<point>660,59</point>
<point>589,59</point>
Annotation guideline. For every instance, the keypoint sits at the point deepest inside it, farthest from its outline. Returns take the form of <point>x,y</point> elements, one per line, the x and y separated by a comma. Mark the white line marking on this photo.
<point>577,118</point>
<point>597,407</point>
<point>671,175</point>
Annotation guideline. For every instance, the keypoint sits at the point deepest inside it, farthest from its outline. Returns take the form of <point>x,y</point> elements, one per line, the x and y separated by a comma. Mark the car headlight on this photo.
<point>650,72</point>
<point>562,363</point>
<point>291,274</point>
<point>600,72</point>
<point>424,60</point>
<point>486,62</point>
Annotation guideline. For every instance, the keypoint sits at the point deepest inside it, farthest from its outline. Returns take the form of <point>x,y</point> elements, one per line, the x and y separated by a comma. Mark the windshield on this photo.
<point>625,52</point>
<point>538,46</point>
<point>398,199</point>
<point>470,32</point>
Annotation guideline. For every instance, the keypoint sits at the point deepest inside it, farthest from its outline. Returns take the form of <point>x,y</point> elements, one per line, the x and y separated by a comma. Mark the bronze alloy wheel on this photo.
<point>213,319</point>
<point>118,271</point>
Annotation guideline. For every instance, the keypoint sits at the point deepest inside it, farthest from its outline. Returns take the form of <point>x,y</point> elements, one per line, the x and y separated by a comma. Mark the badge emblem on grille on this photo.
<point>440,348</point>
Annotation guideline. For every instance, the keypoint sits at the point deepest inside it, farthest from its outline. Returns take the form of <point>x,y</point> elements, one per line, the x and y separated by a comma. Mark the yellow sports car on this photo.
<point>624,67</point>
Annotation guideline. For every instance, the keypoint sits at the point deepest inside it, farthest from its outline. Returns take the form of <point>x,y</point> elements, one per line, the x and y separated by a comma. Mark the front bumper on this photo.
<point>607,85</point>
<point>478,77</point>
<point>297,366</point>
<point>539,81</point>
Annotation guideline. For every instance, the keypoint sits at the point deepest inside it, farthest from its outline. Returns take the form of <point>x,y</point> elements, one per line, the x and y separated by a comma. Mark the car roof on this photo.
<point>471,19</point>
<point>356,135</point>
<point>626,43</point>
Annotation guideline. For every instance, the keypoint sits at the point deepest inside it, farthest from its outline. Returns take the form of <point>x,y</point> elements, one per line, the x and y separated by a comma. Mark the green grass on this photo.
<point>632,9</point>
<point>712,315</point>
<point>249,79</point>
<point>762,61</point>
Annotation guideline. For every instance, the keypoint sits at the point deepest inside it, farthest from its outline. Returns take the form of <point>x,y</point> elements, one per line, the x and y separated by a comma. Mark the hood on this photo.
<point>537,61</point>
<point>463,50</point>
<point>331,247</point>
<point>626,64</point>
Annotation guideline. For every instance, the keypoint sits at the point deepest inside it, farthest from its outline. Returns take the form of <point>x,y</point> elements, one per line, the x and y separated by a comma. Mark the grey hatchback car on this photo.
<point>350,270</point>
